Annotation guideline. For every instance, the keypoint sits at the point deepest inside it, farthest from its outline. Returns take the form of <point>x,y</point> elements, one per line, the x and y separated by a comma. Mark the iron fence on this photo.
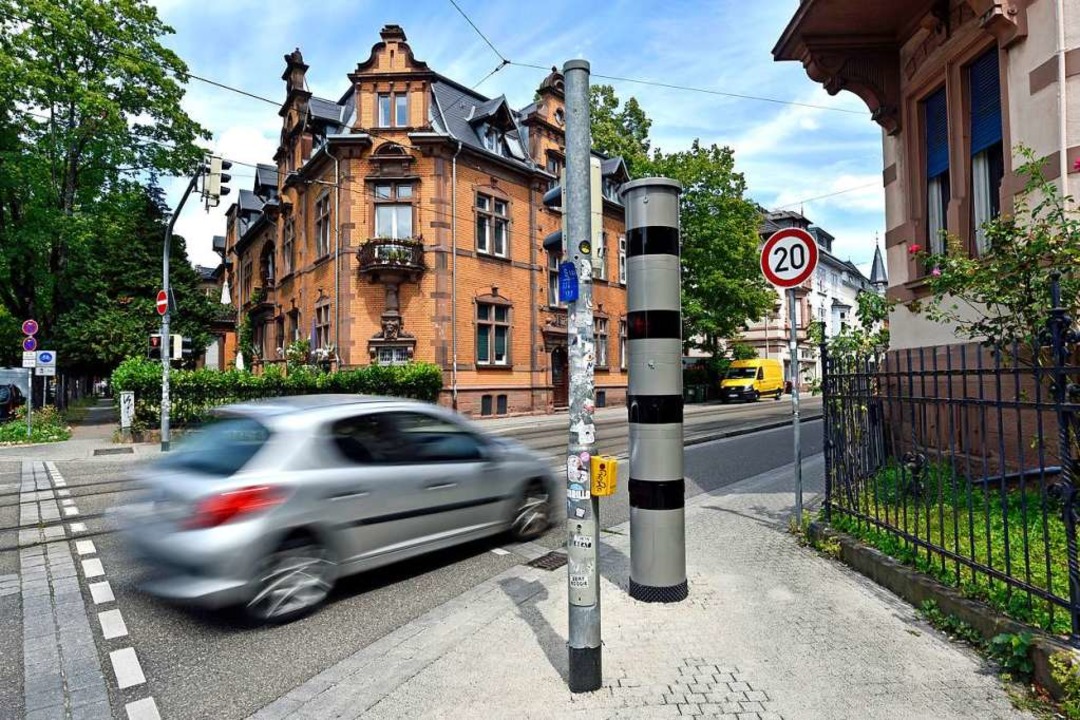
<point>960,460</point>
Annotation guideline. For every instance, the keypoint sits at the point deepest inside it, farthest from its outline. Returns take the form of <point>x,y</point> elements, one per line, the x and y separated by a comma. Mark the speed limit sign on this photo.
<point>789,257</point>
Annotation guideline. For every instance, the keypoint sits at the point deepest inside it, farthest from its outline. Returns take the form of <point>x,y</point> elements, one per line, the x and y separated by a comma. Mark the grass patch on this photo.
<point>47,425</point>
<point>1020,534</point>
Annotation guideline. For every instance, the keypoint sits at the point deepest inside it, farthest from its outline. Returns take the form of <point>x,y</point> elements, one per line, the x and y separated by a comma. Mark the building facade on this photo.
<point>404,221</point>
<point>956,86</point>
<point>831,296</point>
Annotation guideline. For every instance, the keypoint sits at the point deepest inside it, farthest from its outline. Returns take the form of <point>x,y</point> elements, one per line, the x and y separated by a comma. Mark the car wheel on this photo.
<point>533,513</point>
<point>753,396</point>
<point>292,581</point>
<point>779,394</point>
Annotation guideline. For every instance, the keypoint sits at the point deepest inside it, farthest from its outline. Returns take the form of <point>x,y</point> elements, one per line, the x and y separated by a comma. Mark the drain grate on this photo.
<point>551,561</point>
<point>114,451</point>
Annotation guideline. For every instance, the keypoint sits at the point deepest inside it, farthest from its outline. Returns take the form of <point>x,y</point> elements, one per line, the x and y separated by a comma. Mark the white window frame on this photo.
<point>622,259</point>
<point>322,226</point>
<point>554,259</point>
<point>489,223</point>
<point>322,325</point>
<point>391,355</point>
<point>488,324</point>
<point>600,340</point>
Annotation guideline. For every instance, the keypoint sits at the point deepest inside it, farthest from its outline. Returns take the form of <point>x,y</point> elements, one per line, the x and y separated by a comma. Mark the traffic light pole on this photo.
<point>166,341</point>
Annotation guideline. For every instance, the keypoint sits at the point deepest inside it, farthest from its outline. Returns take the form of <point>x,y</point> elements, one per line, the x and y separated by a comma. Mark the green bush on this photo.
<point>195,393</point>
<point>47,425</point>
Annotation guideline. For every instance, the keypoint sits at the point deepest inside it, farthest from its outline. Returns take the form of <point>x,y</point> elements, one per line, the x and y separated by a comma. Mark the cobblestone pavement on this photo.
<point>770,630</point>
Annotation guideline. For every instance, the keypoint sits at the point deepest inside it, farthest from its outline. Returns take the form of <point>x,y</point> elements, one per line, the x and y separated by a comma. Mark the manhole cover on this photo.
<point>551,561</point>
<point>114,451</point>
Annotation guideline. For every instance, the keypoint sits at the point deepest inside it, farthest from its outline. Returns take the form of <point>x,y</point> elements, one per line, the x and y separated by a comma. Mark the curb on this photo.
<point>724,434</point>
<point>915,587</point>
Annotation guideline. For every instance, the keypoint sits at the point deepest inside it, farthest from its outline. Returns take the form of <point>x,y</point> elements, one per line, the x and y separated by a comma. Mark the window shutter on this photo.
<point>936,123</point>
<point>985,88</point>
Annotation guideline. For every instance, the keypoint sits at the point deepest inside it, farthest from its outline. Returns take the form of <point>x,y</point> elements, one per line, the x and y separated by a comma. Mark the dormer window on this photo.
<point>493,140</point>
<point>393,109</point>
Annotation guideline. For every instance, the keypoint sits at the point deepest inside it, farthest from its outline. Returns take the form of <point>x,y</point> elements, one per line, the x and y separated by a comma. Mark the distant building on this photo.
<point>212,285</point>
<point>404,221</point>
<point>831,295</point>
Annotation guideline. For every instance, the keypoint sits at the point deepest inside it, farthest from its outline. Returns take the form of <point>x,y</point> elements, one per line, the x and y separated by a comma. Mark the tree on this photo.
<point>88,95</point>
<point>620,131</point>
<point>722,284</point>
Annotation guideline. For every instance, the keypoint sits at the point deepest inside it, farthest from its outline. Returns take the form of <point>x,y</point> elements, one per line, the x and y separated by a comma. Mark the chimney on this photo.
<point>295,75</point>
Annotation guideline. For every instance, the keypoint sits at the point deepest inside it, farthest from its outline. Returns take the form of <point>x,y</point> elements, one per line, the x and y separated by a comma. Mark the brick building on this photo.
<point>404,221</point>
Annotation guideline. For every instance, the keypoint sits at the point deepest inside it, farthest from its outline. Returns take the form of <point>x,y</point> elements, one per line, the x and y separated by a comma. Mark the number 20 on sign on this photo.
<point>789,257</point>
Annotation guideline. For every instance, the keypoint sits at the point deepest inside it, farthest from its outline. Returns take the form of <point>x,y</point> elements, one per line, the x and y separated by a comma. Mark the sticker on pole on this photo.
<point>789,257</point>
<point>162,302</point>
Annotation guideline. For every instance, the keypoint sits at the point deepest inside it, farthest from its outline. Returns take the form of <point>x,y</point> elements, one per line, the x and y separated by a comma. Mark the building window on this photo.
<point>936,132</point>
<point>601,257</point>
<point>246,281</point>
<point>553,279</point>
<point>401,110</point>
<point>322,326</point>
<point>485,405</point>
<point>393,211</point>
<point>288,242</point>
<point>392,356</point>
<point>322,226</point>
<point>492,225</point>
<point>987,148</point>
<point>492,334</point>
<point>622,259</point>
<point>555,167</point>
<point>600,327</point>
<point>500,404</point>
<point>622,344</point>
<point>384,109</point>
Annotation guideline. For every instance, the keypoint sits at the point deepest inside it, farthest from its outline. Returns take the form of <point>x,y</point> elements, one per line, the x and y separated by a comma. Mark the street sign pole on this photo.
<point>165,361</point>
<point>583,507</point>
<point>794,346</point>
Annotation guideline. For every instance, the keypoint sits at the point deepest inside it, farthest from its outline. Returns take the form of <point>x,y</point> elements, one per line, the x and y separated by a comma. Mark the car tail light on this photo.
<point>233,505</point>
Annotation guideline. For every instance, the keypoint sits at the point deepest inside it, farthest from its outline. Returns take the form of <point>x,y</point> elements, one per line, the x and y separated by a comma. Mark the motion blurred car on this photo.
<point>266,507</point>
<point>11,398</point>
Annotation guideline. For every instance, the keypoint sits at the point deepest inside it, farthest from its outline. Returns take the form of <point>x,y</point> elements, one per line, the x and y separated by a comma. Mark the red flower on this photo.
<point>914,248</point>
<point>1076,165</point>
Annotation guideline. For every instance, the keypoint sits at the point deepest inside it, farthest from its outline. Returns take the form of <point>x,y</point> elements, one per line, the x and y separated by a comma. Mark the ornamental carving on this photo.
<point>870,71</point>
<point>1006,20</point>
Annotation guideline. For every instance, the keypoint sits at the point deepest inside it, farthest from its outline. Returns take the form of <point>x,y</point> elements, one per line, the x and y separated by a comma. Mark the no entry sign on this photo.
<point>162,302</point>
<point>789,257</point>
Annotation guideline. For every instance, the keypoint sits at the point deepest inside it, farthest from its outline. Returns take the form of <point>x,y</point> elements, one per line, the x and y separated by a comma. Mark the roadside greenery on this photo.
<point>47,425</point>
<point>195,393</point>
<point>1008,531</point>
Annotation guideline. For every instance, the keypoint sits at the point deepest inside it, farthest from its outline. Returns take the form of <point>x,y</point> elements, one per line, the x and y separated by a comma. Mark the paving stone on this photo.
<point>93,711</point>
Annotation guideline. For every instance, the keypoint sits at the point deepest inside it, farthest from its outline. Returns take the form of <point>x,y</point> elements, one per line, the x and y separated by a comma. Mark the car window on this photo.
<point>741,373</point>
<point>761,374</point>
<point>434,439</point>
<point>219,448</point>
<point>370,438</point>
<point>5,394</point>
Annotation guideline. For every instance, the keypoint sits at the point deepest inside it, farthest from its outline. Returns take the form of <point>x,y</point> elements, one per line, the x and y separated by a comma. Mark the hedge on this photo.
<point>195,393</point>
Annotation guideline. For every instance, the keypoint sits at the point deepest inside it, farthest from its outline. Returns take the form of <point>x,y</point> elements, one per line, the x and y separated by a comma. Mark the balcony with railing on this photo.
<point>392,260</point>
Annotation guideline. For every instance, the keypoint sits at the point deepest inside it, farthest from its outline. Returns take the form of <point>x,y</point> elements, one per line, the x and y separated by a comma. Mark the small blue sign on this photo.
<point>29,344</point>
<point>45,357</point>
<point>568,282</point>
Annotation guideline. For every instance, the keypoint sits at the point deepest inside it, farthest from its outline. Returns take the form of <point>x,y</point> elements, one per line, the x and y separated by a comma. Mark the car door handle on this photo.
<point>442,486</point>
<point>348,495</point>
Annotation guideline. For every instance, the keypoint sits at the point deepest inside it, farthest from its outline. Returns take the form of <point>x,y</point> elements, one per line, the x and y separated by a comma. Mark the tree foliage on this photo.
<point>89,98</point>
<point>722,285</point>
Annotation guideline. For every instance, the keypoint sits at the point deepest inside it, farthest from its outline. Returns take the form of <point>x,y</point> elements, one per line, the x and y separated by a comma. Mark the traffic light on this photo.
<point>182,347</point>
<point>554,199</point>
<point>216,179</point>
<point>154,349</point>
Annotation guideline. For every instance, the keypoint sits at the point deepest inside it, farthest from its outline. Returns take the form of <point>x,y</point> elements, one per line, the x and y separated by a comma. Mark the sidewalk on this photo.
<point>770,630</point>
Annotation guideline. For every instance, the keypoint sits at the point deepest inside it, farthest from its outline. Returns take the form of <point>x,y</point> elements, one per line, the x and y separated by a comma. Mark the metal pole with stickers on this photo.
<point>583,507</point>
<point>654,397</point>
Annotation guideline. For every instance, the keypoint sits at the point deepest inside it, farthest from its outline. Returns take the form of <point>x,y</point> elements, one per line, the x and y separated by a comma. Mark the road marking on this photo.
<point>112,624</point>
<point>62,493</point>
<point>77,527</point>
<point>92,568</point>
<point>85,547</point>
<point>145,709</point>
<point>67,502</point>
<point>126,667</point>
<point>70,511</point>
<point>101,592</point>
<point>500,551</point>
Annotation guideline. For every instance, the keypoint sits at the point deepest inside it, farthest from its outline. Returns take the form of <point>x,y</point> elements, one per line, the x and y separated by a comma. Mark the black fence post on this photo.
<point>1061,339</point>
<point>826,424</point>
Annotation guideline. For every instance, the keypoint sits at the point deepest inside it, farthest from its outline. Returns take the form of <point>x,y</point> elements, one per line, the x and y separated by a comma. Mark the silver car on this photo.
<point>267,506</point>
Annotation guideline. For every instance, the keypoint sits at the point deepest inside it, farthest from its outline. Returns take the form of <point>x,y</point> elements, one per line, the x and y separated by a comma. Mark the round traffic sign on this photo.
<point>45,357</point>
<point>29,344</point>
<point>789,257</point>
<point>162,302</point>
<point>30,327</point>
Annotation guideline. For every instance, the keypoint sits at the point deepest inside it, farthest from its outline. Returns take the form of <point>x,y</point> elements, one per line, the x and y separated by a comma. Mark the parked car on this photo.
<point>273,502</point>
<point>11,398</point>
<point>749,380</point>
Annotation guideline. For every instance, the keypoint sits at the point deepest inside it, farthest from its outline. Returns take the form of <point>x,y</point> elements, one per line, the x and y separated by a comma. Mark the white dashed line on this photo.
<point>145,709</point>
<point>112,624</point>
<point>500,551</point>
<point>92,568</point>
<point>101,592</point>
<point>126,667</point>
<point>62,493</point>
<point>70,511</point>
<point>77,527</point>
<point>67,502</point>
<point>85,547</point>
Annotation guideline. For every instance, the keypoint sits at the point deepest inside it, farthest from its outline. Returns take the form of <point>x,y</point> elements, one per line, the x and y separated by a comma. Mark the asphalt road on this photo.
<point>201,665</point>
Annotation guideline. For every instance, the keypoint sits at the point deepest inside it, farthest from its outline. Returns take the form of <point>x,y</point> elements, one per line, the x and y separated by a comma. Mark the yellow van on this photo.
<point>752,379</point>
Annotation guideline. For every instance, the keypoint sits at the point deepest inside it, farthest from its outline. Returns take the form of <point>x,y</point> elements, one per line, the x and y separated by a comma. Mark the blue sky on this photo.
<point>789,153</point>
